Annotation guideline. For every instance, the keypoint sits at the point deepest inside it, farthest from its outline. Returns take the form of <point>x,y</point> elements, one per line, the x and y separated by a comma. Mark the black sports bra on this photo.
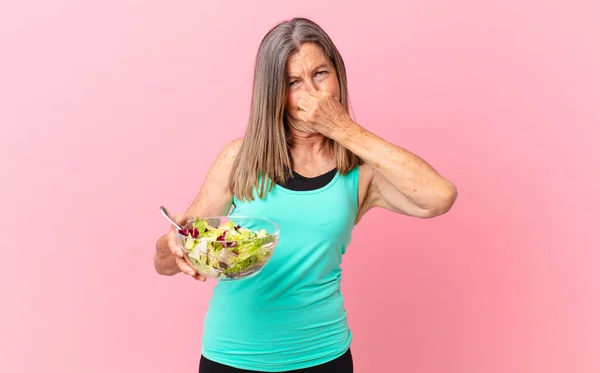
<point>303,183</point>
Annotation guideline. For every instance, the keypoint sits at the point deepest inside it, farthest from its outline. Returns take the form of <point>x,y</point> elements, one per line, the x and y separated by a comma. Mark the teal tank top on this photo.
<point>291,315</point>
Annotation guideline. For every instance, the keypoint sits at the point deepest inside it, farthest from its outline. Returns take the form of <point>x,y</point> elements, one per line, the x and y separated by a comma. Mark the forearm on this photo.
<point>406,172</point>
<point>164,261</point>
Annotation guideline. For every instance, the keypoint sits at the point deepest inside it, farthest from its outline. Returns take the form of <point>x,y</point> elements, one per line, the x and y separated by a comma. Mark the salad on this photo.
<point>227,250</point>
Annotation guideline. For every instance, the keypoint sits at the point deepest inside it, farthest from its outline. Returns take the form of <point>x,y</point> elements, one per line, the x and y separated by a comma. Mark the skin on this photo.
<point>391,178</point>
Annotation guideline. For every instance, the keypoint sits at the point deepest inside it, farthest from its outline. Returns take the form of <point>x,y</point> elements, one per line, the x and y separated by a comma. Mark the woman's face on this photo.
<point>309,70</point>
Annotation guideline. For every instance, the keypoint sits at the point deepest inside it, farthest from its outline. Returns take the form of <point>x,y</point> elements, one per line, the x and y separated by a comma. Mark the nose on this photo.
<point>310,86</point>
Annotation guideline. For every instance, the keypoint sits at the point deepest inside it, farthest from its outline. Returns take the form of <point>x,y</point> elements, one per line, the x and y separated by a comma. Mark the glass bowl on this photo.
<point>228,247</point>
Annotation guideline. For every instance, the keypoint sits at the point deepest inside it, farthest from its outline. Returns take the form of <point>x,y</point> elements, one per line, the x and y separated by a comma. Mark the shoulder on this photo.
<point>232,148</point>
<point>215,196</point>
<point>365,179</point>
<point>227,155</point>
<point>366,176</point>
<point>222,165</point>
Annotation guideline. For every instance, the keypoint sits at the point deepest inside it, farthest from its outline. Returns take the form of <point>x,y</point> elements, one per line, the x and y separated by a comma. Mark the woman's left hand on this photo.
<point>405,183</point>
<point>322,111</point>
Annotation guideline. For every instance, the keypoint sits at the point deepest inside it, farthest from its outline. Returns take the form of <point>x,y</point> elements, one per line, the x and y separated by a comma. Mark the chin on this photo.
<point>300,131</point>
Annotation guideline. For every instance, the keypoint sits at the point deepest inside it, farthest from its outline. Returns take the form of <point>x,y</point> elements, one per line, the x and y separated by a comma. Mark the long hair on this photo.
<point>264,158</point>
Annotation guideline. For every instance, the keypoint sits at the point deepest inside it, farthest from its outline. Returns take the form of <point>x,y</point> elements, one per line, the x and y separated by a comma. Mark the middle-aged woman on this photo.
<point>307,165</point>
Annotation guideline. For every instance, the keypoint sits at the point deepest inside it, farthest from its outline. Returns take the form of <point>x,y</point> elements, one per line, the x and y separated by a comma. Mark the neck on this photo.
<point>310,151</point>
<point>307,143</point>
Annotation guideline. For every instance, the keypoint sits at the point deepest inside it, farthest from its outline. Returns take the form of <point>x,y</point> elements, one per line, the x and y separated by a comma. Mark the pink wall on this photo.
<point>109,109</point>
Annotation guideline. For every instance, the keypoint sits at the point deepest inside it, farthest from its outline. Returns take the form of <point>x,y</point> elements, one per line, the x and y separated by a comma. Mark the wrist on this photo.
<point>344,131</point>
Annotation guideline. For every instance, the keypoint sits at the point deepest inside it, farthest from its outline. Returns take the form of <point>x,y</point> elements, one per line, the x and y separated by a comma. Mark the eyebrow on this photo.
<point>323,65</point>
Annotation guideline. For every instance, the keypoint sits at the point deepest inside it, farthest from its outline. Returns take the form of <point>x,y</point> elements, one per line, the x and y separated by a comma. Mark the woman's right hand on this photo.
<point>177,251</point>
<point>214,198</point>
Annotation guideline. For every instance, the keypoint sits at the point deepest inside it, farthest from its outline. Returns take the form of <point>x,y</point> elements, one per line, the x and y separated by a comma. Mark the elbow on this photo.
<point>446,199</point>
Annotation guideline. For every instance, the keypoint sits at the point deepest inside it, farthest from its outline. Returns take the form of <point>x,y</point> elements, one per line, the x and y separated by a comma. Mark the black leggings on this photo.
<point>342,364</point>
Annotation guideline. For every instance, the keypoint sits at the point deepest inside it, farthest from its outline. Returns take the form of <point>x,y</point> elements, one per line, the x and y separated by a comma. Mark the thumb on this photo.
<point>182,219</point>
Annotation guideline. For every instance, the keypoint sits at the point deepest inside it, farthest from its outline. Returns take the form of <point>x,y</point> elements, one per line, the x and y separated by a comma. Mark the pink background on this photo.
<point>109,109</point>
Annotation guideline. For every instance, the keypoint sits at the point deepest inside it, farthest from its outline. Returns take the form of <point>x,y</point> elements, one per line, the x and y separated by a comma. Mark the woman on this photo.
<point>307,165</point>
